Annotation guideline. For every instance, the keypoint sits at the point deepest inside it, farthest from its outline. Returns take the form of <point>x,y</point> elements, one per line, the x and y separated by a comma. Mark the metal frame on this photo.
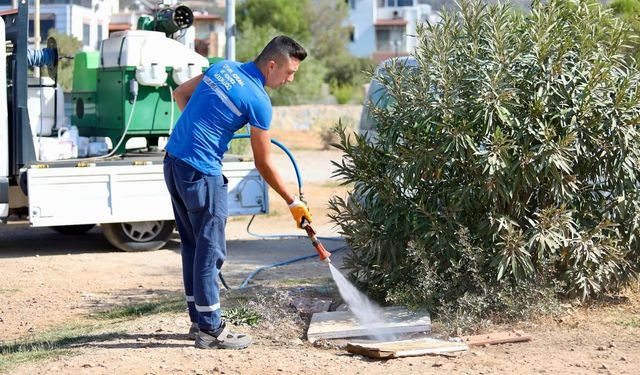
<point>21,150</point>
<point>4,127</point>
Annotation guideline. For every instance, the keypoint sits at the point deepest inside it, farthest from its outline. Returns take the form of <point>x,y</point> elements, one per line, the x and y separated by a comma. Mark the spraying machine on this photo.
<point>122,91</point>
<point>125,89</point>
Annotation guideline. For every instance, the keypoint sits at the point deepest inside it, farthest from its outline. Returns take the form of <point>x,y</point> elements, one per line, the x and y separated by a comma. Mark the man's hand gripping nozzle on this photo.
<point>324,254</point>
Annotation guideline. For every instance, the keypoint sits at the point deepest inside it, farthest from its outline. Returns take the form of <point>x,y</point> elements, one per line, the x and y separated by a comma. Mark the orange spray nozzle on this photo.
<point>324,254</point>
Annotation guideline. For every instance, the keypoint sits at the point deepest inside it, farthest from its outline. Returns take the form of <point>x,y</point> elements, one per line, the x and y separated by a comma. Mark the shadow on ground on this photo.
<point>244,256</point>
<point>21,240</point>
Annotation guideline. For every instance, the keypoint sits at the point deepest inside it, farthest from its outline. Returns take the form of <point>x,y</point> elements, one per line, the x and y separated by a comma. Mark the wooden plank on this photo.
<point>342,324</point>
<point>405,348</point>
<point>496,338</point>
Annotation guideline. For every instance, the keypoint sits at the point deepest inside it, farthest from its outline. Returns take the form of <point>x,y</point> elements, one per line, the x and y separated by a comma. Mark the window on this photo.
<point>391,39</point>
<point>47,22</point>
<point>395,3</point>
<point>86,34</point>
<point>99,38</point>
<point>383,38</point>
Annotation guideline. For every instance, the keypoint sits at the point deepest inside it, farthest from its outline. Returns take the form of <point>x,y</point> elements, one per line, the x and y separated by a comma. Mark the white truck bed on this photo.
<point>126,193</point>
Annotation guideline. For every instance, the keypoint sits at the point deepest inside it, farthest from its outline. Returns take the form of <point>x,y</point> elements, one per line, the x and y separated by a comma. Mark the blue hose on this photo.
<point>286,151</point>
<point>283,263</point>
<point>45,56</point>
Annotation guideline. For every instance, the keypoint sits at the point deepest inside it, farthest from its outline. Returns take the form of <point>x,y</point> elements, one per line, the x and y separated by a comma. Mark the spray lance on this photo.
<point>324,254</point>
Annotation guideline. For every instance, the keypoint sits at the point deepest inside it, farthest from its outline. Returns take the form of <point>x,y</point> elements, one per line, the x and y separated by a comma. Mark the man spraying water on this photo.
<point>214,106</point>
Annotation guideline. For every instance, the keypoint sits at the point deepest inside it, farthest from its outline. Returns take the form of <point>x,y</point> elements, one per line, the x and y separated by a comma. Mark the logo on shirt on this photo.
<point>227,77</point>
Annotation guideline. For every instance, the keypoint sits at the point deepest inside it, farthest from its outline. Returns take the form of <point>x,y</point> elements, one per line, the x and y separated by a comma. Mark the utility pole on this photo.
<point>36,25</point>
<point>36,33</point>
<point>230,30</point>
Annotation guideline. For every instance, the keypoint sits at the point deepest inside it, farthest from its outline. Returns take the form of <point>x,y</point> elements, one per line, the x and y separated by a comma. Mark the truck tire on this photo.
<point>138,236</point>
<point>73,229</point>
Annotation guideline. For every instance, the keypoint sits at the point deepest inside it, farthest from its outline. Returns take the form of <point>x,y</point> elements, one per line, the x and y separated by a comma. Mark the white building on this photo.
<point>385,28</point>
<point>87,20</point>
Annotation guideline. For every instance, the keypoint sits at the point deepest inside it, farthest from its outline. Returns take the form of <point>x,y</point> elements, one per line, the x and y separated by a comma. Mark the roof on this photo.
<point>119,26</point>
<point>391,22</point>
<point>380,56</point>
<point>206,17</point>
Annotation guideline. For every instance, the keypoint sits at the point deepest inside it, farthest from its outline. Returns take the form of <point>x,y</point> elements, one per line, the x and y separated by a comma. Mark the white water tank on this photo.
<point>125,48</point>
<point>43,106</point>
<point>149,52</point>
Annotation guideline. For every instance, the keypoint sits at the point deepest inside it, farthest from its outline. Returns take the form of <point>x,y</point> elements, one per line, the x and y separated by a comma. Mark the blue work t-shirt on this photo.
<point>230,95</point>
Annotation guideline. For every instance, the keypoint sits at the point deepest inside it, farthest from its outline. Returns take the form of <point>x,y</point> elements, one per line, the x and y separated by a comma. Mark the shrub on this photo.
<point>628,11</point>
<point>242,146</point>
<point>67,46</point>
<point>505,168</point>
<point>343,93</point>
<point>346,69</point>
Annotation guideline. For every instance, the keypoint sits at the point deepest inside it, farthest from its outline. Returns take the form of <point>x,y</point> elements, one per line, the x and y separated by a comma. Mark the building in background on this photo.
<point>123,20</point>
<point>87,20</point>
<point>381,29</point>
<point>206,36</point>
<point>209,34</point>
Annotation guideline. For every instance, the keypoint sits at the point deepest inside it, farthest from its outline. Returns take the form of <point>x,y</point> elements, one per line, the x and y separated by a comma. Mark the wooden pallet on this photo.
<point>343,324</point>
<point>405,348</point>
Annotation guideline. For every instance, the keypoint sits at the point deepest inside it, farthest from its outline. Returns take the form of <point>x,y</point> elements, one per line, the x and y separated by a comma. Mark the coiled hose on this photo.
<point>42,57</point>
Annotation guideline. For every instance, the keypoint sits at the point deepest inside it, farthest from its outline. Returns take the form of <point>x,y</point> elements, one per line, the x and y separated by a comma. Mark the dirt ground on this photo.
<point>51,282</point>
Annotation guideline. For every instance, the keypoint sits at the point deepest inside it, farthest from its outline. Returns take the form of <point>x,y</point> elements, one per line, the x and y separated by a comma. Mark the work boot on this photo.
<point>193,331</point>
<point>222,338</point>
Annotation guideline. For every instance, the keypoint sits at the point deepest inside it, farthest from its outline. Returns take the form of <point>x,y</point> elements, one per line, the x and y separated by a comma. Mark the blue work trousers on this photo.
<point>200,209</point>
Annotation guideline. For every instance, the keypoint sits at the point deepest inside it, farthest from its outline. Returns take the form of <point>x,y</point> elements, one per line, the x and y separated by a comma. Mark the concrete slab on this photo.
<point>341,324</point>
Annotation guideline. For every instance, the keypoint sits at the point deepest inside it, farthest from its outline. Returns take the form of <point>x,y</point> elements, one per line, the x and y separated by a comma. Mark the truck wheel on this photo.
<point>73,229</point>
<point>138,236</point>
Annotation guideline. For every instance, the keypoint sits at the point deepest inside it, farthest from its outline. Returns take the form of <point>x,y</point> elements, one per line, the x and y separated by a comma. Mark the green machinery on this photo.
<point>125,89</point>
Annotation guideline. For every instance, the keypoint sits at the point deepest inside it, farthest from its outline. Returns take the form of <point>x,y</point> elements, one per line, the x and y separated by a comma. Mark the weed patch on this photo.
<point>242,316</point>
<point>50,345</point>
<point>160,305</point>
<point>629,322</point>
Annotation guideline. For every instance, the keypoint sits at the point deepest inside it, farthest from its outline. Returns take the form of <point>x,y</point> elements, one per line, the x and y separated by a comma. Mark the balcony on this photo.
<point>391,39</point>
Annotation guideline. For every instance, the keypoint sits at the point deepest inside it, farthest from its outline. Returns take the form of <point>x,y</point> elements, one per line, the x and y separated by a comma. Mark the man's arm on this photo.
<point>261,146</point>
<point>183,93</point>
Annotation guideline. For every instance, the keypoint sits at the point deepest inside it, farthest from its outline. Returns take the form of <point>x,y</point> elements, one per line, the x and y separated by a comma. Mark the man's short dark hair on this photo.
<point>281,46</point>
